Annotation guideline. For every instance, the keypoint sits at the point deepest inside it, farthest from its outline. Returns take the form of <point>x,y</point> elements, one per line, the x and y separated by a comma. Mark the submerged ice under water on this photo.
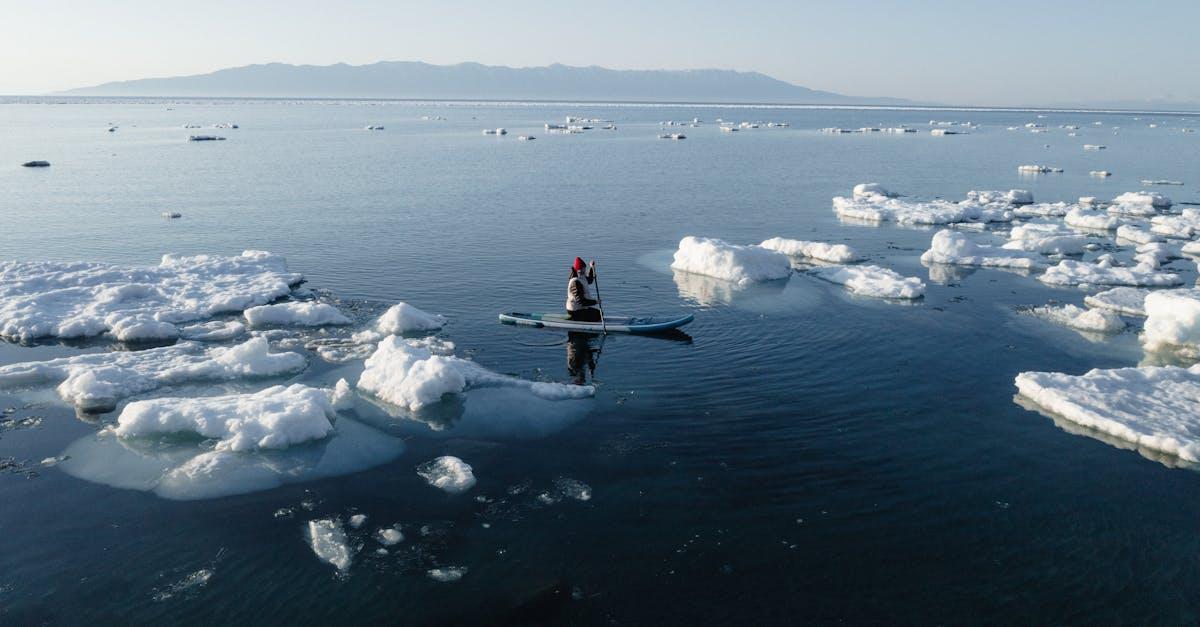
<point>796,445</point>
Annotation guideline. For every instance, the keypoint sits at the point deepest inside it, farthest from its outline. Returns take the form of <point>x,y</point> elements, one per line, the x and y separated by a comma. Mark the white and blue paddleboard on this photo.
<point>612,324</point>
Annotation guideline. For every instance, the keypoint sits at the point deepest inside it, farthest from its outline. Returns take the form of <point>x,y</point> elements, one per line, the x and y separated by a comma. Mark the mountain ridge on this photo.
<point>476,81</point>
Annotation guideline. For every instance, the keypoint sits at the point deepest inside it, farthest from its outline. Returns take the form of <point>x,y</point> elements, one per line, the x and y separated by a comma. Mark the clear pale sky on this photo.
<point>966,52</point>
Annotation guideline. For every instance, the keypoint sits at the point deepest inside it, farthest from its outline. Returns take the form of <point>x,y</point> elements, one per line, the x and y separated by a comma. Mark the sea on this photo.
<point>797,454</point>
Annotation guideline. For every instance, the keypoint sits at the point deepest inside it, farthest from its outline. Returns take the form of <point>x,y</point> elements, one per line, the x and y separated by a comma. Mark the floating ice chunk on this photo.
<point>1133,233</point>
<point>205,138</point>
<point>1153,199</point>
<point>1042,210</point>
<point>47,299</point>
<point>357,520</point>
<point>951,247</point>
<point>912,212</point>
<point>214,331</point>
<point>1183,226</point>
<point>1173,322</point>
<point>404,318</point>
<point>447,574</point>
<point>1094,147</point>
<point>730,262</point>
<point>389,536</point>
<point>36,164</point>
<point>1038,169</point>
<point>171,215</point>
<point>139,328</point>
<point>869,191</point>
<point>1153,254</point>
<point>184,469</point>
<point>1191,248</point>
<point>329,543</point>
<point>1100,174</point>
<point>1150,407</point>
<point>1012,197</point>
<point>1093,320</point>
<point>187,585</point>
<point>304,314</point>
<point>342,397</point>
<point>1129,301</point>
<point>1079,217</point>
<point>1070,272</point>
<point>833,253</point>
<point>873,281</point>
<point>275,418</point>
<point>409,374</point>
<point>1046,239</point>
<point>96,381</point>
<point>448,473</point>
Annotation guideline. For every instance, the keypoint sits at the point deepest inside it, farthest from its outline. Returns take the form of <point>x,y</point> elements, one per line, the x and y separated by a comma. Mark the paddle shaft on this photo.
<point>599,301</point>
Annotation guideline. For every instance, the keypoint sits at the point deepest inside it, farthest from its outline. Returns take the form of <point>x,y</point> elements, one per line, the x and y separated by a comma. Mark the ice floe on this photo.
<point>411,375</point>
<point>1186,225</point>
<point>1129,301</point>
<point>1011,197</point>
<point>404,318</point>
<point>329,543</point>
<point>951,247</point>
<point>1173,321</point>
<point>274,418</point>
<point>214,331</point>
<point>1149,407</point>
<point>186,469</point>
<point>70,300</point>
<point>1154,199</point>
<point>730,262</point>
<point>833,253</point>
<point>1045,238</point>
<point>303,314</point>
<point>873,281</point>
<point>389,536</point>
<point>97,381</point>
<point>908,212</point>
<point>1042,210</point>
<point>1105,272</point>
<point>1080,319</point>
<point>447,574</point>
<point>1090,219</point>
<point>1135,234</point>
<point>448,473</point>
<point>1038,169</point>
<point>869,191</point>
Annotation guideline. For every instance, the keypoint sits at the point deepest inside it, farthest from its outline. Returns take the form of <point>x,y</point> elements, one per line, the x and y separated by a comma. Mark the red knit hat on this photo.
<point>578,264</point>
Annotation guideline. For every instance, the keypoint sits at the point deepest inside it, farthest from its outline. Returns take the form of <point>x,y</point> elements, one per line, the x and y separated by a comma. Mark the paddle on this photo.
<point>599,301</point>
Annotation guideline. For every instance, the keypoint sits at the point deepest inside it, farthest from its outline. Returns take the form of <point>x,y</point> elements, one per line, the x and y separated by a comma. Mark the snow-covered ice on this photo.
<point>1042,210</point>
<point>1173,321</point>
<point>832,253</point>
<point>1080,319</point>
<point>214,331</point>
<point>448,473</point>
<point>1045,238</point>
<point>410,374</point>
<point>404,318</point>
<point>1010,197</point>
<point>274,418</point>
<point>389,536</point>
<point>1186,225</point>
<point>1091,219</point>
<point>730,262</point>
<point>357,520</point>
<point>329,543</point>
<point>1130,301</point>
<point>909,212</point>
<point>1156,408</point>
<point>70,300</point>
<point>1135,234</point>
<point>869,191</point>
<point>96,381</point>
<point>952,247</point>
<point>873,281</point>
<point>303,314</point>
<point>1071,272</point>
<point>1154,199</point>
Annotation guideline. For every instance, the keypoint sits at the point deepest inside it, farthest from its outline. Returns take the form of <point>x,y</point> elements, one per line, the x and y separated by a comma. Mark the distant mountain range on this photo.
<point>473,81</point>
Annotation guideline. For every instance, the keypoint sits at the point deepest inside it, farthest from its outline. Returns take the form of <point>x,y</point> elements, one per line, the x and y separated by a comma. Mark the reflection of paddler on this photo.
<point>581,357</point>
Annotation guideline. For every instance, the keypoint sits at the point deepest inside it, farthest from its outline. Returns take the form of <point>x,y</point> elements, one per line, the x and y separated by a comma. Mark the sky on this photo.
<point>966,52</point>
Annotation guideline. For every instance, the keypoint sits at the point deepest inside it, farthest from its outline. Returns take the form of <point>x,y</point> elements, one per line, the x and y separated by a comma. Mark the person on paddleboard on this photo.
<point>581,301</point>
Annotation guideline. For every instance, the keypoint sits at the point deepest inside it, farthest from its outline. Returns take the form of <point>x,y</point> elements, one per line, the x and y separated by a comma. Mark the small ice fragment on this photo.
<point>357,520</point>
<point>389,536</point>
<point>307,314</point>
<point>328,542</point>
<point>448,473</point>
<point>447,574</point>
<point>404,318</point>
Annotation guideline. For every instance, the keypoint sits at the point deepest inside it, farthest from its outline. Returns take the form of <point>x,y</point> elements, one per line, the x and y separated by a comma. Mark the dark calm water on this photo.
<point>800,456</point>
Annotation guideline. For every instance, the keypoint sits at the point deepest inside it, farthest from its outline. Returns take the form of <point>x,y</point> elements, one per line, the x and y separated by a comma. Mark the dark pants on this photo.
<point>584,315</point>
